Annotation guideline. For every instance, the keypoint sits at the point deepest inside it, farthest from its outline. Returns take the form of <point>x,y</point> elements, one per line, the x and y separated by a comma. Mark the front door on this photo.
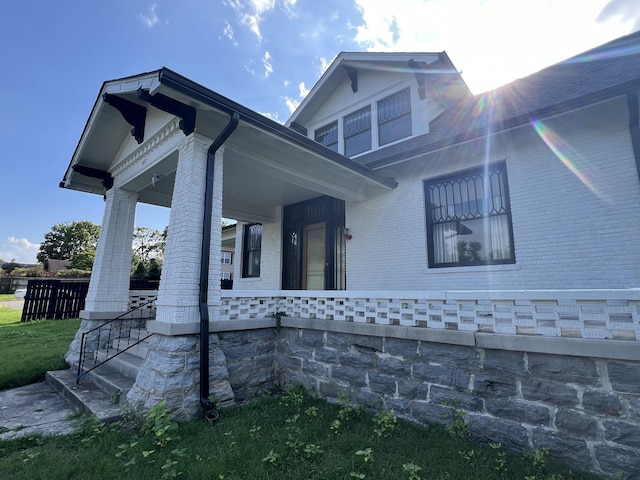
<point>314,245</point>
<point>314,257</point>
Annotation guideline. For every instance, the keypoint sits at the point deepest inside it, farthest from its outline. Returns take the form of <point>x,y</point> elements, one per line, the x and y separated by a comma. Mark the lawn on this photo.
<point>28,350</point>
<point>286,436</point>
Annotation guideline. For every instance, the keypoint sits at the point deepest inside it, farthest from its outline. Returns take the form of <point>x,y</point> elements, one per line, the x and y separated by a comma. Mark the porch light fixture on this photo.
<point>347,235</point>
<point>155,179</point>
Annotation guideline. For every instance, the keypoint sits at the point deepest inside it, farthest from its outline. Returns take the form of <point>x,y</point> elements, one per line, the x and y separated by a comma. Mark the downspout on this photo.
<point>634,126</point>
<point>209,409</point>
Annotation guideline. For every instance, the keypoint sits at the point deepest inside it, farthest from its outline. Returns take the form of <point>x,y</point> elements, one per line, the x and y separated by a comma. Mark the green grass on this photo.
<point>7,296</point>
<point>288,437</point>
<point>28,350</point>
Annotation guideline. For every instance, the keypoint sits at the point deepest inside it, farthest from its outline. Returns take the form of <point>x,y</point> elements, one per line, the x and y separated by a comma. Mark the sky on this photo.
<point>264,54</point>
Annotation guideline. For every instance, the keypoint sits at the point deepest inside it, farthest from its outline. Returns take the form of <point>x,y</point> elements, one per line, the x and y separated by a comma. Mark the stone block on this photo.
<point>399,347</point>
<point>312,338</point>
<point>450,355</point>
<point>233,338</point>
<point>624,377</point>
<point>314,368</point>
<point>427,412</point>
<point>356,359</point>
<point>634,408</point>
<point>614,460</point>
<point>394,366</point>
<point>352,376</point>
<point>549,391</point>
<point>366,342</point>
<point>183,344</point>
<point>623,433</point>
<point>409,389</point>
<point>563,368</point>
<point>463,379</point>
<point>166,364</point>
<point>382,384</point>
<point>602,403</point>
<point>265,348</point>
<point>326,355</point>
<point>368,399</point>
<point>340,341</point>
<point>573,422</point>
<point>263,335</point>
<point>288,363</point>
<point>519,411</point>
<point>503,360</point>
<point>440,374</point>
<point>566,447</point>
<point>330,389</point>
<point>492,385</point>
<point>238,351</point>
<point>511,435</point>
<point>400,407</point>
<point>453,398</point>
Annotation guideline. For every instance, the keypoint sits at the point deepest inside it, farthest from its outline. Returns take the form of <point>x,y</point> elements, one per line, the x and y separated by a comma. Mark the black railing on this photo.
<point>110,339</point>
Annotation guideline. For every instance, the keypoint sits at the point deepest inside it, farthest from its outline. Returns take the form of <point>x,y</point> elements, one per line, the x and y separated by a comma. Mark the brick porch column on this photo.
<point>108,294</point>
<point>171,370</point>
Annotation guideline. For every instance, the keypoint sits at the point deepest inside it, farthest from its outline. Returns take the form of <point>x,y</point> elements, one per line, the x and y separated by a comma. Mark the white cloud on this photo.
<point>250,13</point>
<point>324,64</point>
<point>151,19</point>
<point>293,103</point>
<point>228,32</point>
<point>625,11</point>
<point>273,116</point>
<point>20,249</point>
<point>492,41</point>
<point>268,66</point>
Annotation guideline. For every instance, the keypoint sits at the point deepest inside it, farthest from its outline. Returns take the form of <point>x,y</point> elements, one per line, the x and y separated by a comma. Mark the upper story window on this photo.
<point>394,117</point>
<point>328,136</point>
<point>226,258</point>
<point>357,132</point>
<point>252,250</point>
<point>469,218</point>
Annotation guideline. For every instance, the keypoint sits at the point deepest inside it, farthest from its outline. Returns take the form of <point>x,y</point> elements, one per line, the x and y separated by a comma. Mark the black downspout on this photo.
<point>634,126</point>
<point>210,411</point>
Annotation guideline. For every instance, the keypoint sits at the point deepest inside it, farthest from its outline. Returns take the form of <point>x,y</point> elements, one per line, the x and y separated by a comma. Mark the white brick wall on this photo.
<point>566,234</point>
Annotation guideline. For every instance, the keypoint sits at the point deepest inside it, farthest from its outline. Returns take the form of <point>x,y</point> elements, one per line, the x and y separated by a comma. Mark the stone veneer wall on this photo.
<point>583,407</point>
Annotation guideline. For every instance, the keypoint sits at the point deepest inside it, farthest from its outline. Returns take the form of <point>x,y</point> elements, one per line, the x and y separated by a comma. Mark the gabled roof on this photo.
<point>604,72</point>
<point>347,66</point>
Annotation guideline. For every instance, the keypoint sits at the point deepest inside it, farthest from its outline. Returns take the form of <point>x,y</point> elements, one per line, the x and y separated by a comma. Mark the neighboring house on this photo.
<point>227,257</point>
<point>53,266</point>
<point>399,238</point>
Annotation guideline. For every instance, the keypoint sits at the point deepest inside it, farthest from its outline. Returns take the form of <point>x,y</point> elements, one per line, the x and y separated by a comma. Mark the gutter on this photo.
<point>209,409</point>
<point>634,126</point>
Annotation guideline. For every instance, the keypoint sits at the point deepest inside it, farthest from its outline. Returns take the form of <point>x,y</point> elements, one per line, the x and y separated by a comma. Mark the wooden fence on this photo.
<point>54,299</point>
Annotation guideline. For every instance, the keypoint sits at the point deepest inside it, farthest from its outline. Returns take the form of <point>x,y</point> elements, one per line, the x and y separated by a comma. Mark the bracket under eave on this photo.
<point>134,114</point>
<point>421,78</point>
<point>352,73</point>
<point>186,113</point>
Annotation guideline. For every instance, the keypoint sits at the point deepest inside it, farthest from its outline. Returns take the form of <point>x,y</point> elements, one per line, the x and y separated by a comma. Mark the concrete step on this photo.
<point>86,397</point>
<point>125,363</point>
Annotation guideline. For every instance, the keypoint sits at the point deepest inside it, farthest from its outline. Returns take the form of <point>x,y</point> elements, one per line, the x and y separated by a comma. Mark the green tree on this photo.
<point>75,241</point>
<point>148,244</point>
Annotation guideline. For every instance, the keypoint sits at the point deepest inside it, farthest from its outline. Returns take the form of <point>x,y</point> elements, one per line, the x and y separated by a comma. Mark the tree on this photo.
<point>75,241</point>
<point>148,244</point>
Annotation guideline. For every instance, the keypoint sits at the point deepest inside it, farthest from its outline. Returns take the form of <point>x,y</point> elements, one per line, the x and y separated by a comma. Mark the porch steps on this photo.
<point>103,391</point>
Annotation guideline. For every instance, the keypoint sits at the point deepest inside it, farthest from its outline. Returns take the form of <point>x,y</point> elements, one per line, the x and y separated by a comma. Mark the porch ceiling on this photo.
<point>266,165</point>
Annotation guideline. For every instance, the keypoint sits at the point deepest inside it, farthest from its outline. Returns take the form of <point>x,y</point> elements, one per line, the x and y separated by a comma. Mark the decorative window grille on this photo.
<point>357,132</point>
<point>394,117</point>
<point>328,136</point>
<point>469,218</point>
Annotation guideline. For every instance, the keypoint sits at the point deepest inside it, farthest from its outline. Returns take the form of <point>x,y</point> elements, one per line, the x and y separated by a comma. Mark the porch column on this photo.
<point>170,370</point>
<point>108,294</point>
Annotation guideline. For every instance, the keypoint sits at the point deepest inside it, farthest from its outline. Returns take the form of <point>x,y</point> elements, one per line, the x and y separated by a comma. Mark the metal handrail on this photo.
<point>100,328</point>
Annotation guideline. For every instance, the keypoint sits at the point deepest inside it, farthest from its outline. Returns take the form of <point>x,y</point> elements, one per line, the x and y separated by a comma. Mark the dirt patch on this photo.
<point>14,304</point>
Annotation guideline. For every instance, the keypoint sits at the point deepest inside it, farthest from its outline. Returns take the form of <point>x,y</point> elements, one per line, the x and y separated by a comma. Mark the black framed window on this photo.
<point>394,117</point>
<point>328,136</point>
<point>469,218</point>
<point>252,250</point>
<point>357,132</point>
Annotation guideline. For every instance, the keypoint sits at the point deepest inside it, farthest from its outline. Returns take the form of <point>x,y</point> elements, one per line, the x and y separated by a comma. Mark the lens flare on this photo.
<point>569,157</point>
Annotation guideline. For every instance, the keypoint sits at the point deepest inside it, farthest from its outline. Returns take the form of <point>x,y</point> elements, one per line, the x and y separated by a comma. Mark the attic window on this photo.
<point>357,132</point>
<point>328,136</point>
<point>394,117</point>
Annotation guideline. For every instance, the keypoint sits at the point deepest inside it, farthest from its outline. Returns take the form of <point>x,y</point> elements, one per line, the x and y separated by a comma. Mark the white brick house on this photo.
<point>391,198</point>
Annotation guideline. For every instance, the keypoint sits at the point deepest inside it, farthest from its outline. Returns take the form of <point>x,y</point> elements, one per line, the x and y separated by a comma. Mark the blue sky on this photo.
<point>265,54</point>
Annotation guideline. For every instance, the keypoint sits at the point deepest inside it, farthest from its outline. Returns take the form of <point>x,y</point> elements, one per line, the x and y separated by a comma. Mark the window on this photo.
<point>394,117</point>
<point>357,132</point>
<point>225,275</point>
<point>252,249</point>
<point>328,136</point>
<point>227,258</point>
<point>469,218</point>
